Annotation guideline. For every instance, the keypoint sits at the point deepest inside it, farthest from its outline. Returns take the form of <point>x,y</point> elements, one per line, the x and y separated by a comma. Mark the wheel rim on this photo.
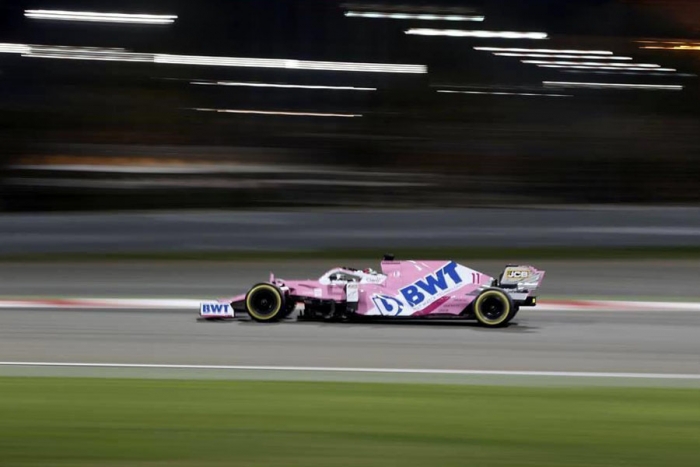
<point>493,308</point>
<point>264,302</point>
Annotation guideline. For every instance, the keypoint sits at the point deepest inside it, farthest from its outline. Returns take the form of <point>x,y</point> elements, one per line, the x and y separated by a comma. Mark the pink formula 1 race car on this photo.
<point>403,289</point>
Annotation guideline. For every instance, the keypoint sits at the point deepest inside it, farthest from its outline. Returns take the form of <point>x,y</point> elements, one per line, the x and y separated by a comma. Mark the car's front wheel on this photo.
<point>494,308</point>
<point>265,303</point>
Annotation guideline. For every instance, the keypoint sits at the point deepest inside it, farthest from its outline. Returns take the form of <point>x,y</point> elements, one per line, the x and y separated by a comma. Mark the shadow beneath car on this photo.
<point>433,323</point>
<point>378,323</point>
<point>512,327</point>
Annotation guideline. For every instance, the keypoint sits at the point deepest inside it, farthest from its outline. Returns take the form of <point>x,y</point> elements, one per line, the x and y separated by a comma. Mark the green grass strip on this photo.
<point>108,422</point>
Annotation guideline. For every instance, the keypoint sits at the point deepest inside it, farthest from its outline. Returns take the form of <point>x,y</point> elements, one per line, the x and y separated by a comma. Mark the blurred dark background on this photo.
<point>93,134</point>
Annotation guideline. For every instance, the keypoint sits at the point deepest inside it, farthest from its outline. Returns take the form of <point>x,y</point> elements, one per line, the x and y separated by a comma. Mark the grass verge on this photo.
<point>102,422</point>
<point>507,254</point>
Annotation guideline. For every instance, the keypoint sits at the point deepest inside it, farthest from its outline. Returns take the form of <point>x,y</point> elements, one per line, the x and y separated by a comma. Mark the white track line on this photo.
<point>103,303</point>
<point>616,305</point>
<point>573,374</point>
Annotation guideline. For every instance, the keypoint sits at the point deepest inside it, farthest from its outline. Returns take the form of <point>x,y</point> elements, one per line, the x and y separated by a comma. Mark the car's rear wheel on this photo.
<point>513,314</point>
<point>265,303</point>
<point>493,308</point>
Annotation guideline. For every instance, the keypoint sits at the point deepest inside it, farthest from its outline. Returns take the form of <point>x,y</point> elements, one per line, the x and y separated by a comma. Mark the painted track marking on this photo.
<point>569,374</point>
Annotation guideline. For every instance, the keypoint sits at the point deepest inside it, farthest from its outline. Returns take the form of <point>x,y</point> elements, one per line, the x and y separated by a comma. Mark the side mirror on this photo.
<point>333,277</point>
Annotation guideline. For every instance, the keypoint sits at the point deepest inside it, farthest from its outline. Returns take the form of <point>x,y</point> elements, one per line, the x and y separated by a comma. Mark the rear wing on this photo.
<point>520,277</point>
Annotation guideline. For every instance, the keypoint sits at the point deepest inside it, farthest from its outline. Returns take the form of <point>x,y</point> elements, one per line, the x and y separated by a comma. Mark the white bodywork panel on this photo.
<point>352,291</point>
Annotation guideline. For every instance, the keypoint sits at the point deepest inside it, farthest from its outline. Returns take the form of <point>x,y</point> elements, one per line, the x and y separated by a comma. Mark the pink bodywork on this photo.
<point>403,288</point>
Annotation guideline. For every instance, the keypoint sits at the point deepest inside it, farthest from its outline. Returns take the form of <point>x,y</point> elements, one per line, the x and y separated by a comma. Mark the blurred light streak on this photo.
<point>588,67</point>
<point>94,53</point>
<point>404,8</point>
<point>477,33</point>
<point>136,183</point>
<point>285,86</point>
<point>533,94</point>
<point>663,42</point>
<point>676,47</point>
<point>204,168</point>
<point>91,16</point>
<point>14,48</point>
<point>575,57</point>
<point>265,112</point>
<point>573,84</point>
<point>545,51</point>
<point>101,58</point>
<point>671,45</point>
<point>416,16</point>
<point>87,53</point>
<point>555,62</point>
<point>630,73</point>
<point>288,64</point>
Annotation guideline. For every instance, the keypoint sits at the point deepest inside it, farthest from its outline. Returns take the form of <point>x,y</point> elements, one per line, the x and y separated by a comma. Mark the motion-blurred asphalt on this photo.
<point>623,341</point>
<point>655,342</point>
<point>347,229</point>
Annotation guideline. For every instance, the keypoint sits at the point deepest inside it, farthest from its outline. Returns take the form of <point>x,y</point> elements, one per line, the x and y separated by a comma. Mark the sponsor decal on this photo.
<point>374,278</point>
<point>425,290</point>
<point>387,305</point>
<point>215,310</point>
<point>517,274</point>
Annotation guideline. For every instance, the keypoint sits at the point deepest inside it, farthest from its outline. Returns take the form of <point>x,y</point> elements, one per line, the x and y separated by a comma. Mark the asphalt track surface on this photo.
<point>617,341</point>
<point>644,342</point>
<point>348,229</point>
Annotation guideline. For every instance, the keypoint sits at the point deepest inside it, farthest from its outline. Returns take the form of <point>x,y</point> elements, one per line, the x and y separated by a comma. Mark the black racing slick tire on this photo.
<point>513,314</point>
<point>265,303</point>
<point>494,308</point>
